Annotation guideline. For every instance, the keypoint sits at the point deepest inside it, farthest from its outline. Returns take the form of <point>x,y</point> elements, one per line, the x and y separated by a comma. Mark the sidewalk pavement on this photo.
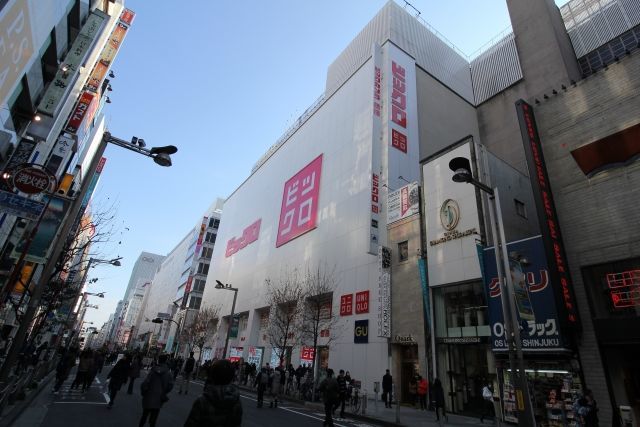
<point>409,417</point>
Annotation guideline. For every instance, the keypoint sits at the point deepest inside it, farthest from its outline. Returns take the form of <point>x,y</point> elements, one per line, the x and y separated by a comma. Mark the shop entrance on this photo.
<point>624,375</point>
<point>468,373</point>
<point>409,368</point>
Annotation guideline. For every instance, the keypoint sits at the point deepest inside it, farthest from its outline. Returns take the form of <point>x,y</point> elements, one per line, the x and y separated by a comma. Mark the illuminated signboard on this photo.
<point>299,209</point>
<point>547,216</point>
<point>624,288</point>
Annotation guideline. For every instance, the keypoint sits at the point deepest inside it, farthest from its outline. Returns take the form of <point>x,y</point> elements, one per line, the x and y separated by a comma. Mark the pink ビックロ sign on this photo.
<point>299,209</point>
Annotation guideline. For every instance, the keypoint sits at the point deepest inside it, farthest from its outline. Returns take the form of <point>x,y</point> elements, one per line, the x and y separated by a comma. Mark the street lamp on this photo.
<point>462,174</point>
<point>220,285</point>
<point>161,155</point>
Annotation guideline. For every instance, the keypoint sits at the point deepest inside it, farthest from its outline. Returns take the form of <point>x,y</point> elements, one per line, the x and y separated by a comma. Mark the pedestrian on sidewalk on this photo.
<point>84,366</point>
<point>219,404</point>
<point>154,390</point>
<point>276,386</point>
<point>437,399</point>
<point>66,363</point>
<point>387,386</point>
<point>330,394</point>
<point>117,377</point>
<point>423,388</point>
<point>487,402</point>
<point>342,390</point>
<point>187,371</point>
<point>261,381</point>
<point>134,372</point>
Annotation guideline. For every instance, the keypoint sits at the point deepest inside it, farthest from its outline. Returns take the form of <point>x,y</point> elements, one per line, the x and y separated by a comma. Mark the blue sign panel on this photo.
<point>361,332</point>
<point>534,297</point>
<point>20,206</point>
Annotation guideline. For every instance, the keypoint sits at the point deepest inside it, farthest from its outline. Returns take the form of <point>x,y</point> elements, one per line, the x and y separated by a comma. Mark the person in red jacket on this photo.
<point>423,388</point>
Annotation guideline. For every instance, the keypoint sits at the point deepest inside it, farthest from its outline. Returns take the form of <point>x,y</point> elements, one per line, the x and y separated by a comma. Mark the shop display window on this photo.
<point>553,391</point>
<point>461,311</point>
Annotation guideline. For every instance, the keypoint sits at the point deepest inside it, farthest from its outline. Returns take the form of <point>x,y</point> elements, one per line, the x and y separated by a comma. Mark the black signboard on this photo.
<point>361,332</point>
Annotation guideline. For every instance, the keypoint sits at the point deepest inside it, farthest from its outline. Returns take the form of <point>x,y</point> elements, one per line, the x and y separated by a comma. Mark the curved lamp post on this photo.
<point>462,174</point>
<point>220,285</point>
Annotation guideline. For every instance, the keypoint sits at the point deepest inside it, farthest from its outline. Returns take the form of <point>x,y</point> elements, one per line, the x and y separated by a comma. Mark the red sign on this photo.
<point>362,302</point>
<point>399,140</point>
<point>299,209</point>
<point>625,288</point>
<point>377,107</point>
<point>82,107</point>
<point>249,235</point>
<point>307,354</point>
<point>31,179</point>
<point>375,193</point>
<point>127,16</point>
<point>398,95</point>
<point>346,305</point>
<point>546,211</point>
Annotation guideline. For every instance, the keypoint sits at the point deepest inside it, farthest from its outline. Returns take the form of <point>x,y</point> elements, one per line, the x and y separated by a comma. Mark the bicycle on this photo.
<point>354,401</point>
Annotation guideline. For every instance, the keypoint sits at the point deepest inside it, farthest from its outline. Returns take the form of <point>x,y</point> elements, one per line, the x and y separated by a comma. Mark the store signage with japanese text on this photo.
<point>20,206</point>
<point>235,354</point>
<point>533,294</point>
<point>346,305</point>
<point>32,179</point>
<point>547,215</point>
<point>361,331</point>
<point>299,210</point>
<point>374,205</point>
<point>403,202</point>
<point>249,235</point>
<point>384,292</point>
<point>255,356</point>
<point>307,354</point>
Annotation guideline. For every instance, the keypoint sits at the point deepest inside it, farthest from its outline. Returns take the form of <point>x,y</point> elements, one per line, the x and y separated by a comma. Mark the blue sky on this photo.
<point>222,80</point>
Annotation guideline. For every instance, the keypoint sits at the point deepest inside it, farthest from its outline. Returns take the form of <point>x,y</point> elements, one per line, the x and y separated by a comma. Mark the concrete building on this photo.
<point>397,97</point>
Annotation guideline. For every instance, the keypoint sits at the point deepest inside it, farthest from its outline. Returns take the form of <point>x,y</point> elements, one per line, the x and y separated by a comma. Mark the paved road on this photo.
<point>72,408</point>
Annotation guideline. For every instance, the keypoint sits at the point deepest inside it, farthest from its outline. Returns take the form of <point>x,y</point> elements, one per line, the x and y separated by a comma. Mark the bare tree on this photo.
<point>196,333</point>
<point>285,297</point>
<point>319,321</point>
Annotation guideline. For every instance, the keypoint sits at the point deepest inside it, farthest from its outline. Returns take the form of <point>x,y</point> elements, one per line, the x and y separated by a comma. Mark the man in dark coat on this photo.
<point>187,371</point>
<point>262,382</point>
<point>134,372</point>
<point>67,361</point>
<point>330,394</point>
<point>342,386</point>
<point>219,404</point>
<point>387,386</point>
<point>118,376</point>
<point>154,389</point>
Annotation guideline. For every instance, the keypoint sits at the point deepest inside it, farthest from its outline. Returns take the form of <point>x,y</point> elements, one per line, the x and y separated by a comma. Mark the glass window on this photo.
<point>461,311</point>
<point>520,208</point>
<point>203,268</point>
<point>403,251</point>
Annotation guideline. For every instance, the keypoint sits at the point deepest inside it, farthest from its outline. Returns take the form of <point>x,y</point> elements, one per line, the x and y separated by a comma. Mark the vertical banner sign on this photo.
<point>533,294</point>
<point>547,216</point>
<point>362,302</point>
<point>384,292</point>
<point>20,155</point>
<point>424,284</point>
<point>346,305</point>
<point>109,51</point>
<point>374,205</point>
<point>69,69</point>
<point>361,332</point>
<point>299,210</point>
<point>16,40</point>
<point>255,356</point>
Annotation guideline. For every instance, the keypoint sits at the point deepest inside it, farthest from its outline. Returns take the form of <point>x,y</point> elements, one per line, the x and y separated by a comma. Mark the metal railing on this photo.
<point>15,389</point>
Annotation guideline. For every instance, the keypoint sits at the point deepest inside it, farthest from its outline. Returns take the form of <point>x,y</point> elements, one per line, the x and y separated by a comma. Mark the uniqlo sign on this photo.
<point>299,209</point>
<point>307,354</point>
<point>362,302</point>
<point>346,305</point>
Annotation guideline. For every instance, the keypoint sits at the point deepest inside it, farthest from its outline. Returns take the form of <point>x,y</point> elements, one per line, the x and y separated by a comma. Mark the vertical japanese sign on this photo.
<point>346,305</point>
<point>384,292</point>
<point>22,154</point>
<point>82,116</point>
<point>109,51</point>
<point>547,216</point>
<point>374,206</point>
<point>16,40</point>
<point>534,296</point>
<point>299,210</point>
<point>68,72</point>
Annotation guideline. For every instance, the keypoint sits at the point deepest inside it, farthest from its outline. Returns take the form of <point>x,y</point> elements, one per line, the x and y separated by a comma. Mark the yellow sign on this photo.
<point>17,46</point>
<point>520,399</point>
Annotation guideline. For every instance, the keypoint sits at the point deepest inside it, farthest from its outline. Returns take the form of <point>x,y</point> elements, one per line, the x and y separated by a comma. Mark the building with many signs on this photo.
<point>339,190</point>
<point>55,74</point>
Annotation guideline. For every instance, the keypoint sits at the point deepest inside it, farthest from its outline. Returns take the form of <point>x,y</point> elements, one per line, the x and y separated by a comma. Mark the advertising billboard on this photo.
<point>375,205</point>
<point>534,297</point>
<point>403,202</point>
<point>547,216</point>
<point>299,210</point>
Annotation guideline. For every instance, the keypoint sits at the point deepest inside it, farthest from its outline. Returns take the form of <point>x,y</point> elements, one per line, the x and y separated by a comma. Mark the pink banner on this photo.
<point>299,209</point>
